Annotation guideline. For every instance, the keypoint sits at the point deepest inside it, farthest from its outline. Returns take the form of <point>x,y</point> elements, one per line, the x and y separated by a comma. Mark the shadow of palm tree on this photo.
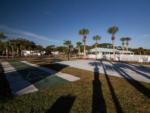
<point>98,104</point>
<point>132,81</point>
<point>142,68</point>
<point>114,97</point>
<point>62,105</point>
<point>135,69</point>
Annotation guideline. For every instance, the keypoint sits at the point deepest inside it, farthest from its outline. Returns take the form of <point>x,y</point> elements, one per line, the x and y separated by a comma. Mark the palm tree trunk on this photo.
<point>79,50</point>
<point>12,52</point>
<point>113,44</point>
<point>7,52</point>
<point>127,47</point>
<point>17,51</point>
<point>68,53</point>
<point>96,49</point>
<point>84,48</point>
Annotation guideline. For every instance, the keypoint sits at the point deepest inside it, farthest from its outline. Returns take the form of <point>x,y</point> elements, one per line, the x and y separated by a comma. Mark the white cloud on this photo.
<point>17,32</point>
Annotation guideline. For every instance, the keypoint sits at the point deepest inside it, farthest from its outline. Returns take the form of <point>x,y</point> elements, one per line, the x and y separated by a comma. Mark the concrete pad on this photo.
<point>18,85</point>
<point>65,76</point>
<point>111,69</point>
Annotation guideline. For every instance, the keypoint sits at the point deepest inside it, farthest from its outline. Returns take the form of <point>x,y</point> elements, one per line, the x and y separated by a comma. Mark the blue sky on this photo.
<point>53,21</point>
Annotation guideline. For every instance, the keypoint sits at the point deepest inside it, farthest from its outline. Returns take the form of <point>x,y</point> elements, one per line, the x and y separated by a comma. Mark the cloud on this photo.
<point>17,32</point>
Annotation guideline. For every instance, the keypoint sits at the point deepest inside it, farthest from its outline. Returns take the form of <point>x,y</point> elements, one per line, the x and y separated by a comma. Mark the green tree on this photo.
<point>68,44</point>
<point>96,38</point>
<point>84,32</point>
<point>113,30</point>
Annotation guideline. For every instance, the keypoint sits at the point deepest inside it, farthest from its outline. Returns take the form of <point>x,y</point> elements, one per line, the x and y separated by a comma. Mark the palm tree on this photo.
<point>67,43</point>
<point>84,32</point>
<point>123,42</point>
<point>112,30</point>
<point>78,46</point>
<point>6,46</point>
<point>96,38</point>
<point>127,42</point>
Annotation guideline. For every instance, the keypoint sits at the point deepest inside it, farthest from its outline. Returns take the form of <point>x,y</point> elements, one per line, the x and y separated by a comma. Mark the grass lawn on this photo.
<point>90,94</point>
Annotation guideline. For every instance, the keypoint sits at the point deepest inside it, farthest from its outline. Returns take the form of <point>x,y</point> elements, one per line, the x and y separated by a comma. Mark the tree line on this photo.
<point>14,47</point>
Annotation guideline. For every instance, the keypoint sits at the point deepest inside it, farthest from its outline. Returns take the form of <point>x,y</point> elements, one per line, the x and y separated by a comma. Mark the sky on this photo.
<point>48,22</point>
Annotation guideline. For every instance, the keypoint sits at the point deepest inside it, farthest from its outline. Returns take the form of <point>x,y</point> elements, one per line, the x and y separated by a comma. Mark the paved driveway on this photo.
<point>127,71</point>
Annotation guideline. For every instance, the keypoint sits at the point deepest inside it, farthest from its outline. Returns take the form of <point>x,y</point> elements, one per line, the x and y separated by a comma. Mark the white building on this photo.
<point>32,53</point>
<point>120,55</point>
<point>103,52</point>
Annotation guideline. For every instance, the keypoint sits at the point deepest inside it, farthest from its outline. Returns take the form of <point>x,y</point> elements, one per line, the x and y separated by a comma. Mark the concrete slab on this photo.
<point>111,69</point>
<point>65,76</point>
<point>18,85</point>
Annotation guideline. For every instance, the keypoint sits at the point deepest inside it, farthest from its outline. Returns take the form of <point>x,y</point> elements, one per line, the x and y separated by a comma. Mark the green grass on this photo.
<point>77,97</point>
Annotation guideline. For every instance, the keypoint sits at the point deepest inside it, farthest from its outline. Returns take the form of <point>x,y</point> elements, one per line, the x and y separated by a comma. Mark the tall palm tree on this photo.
<point>113,30</point>
<point>127,42</point>
<point>78,46</point>
<point>96,38</point>
<point>67,43</point>
<point>84,32</point>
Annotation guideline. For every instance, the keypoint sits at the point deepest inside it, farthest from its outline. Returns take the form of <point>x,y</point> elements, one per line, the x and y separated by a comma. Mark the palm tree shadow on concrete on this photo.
<point>138,71</point>
<point>98,104</point>
<point>132,81</point>
<point>114,97</point>
<point>62,105</point>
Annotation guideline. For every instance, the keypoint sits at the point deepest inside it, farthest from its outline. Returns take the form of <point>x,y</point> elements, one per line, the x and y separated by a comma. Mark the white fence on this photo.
<point>132,58</point>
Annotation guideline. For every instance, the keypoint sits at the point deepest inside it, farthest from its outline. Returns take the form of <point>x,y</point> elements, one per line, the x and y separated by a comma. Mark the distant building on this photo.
<point>102,52</point>
<point>55,52</point>
<point>120,55</point>
<point>32,53</point>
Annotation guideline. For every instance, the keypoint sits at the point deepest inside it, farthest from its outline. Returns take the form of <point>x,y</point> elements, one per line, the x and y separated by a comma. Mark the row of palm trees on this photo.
<point>112,30</point>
